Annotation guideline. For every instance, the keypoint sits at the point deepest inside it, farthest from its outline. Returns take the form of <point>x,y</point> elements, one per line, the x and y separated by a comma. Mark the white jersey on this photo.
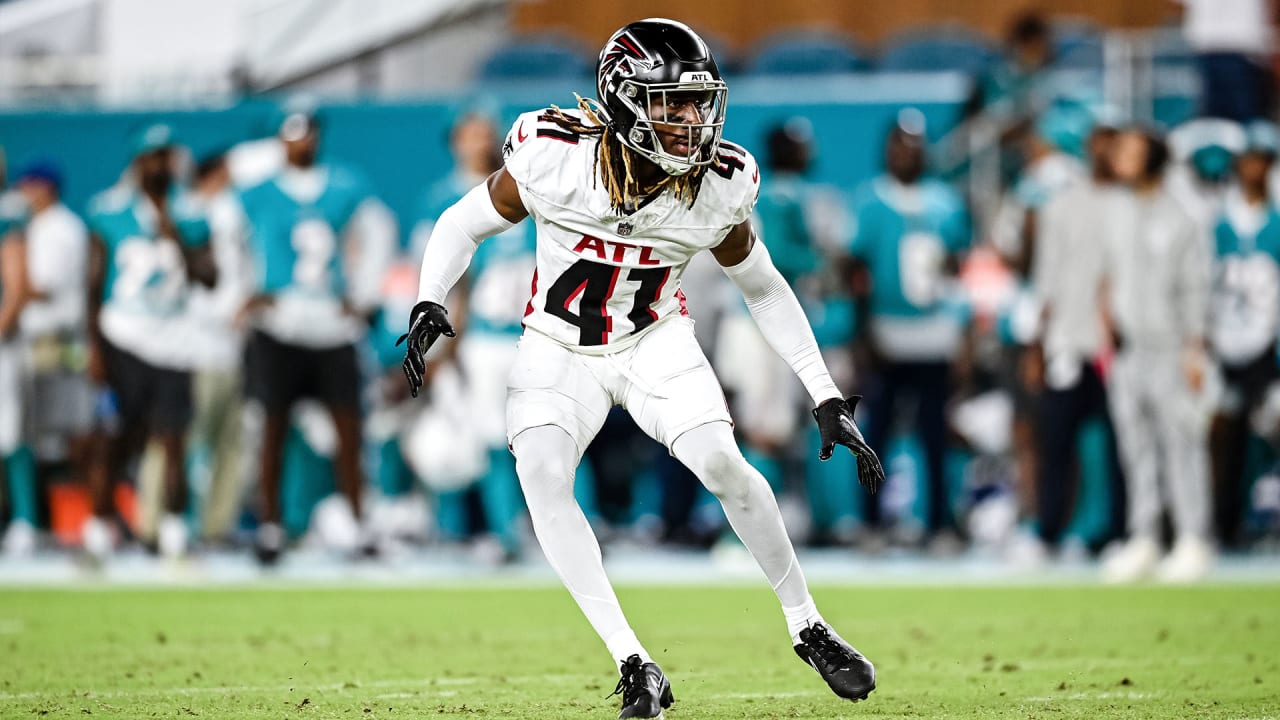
<point>57,262</point>
<point>602,279</point>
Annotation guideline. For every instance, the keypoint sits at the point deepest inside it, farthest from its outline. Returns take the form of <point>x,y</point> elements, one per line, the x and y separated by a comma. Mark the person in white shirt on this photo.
<point>51,315</point>
<point>1244,319</point>
<point>215,349</point>
<point>1203,151</point>
<point>17,469</point>
<point>1062,368</point>
<point>1156,299</point>
<point>1232,40</point>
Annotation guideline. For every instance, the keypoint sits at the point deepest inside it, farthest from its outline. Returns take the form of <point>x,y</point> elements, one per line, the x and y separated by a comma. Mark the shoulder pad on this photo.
<point>537,143</point>
<point>733,181</point>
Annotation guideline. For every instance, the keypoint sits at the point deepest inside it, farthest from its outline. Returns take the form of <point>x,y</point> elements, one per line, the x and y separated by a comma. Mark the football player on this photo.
<point>17,464</point>
<point>1245,314</point>
<point>216,426</point>
<point>148,240</point>
<point>623,192</point>
<point>51,318</point>
<point>1063,368</point>
<point>911,231</point>
<point>1156,299</point>
<point>319,242</point>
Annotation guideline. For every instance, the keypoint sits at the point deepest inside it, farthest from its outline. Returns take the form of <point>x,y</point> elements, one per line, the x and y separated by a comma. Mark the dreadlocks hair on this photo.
<point>613,161</point>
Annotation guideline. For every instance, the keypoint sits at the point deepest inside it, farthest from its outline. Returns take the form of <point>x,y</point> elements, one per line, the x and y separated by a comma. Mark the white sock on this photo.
<point>711,453</point>
<point>801,617</point>
<point>545,462</point>
<point>623,644</point>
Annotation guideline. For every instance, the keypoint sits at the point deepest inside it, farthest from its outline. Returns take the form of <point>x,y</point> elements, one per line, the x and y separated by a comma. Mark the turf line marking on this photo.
<point>343,687</point>
<point>1093,696</point>
<point>763,695</point>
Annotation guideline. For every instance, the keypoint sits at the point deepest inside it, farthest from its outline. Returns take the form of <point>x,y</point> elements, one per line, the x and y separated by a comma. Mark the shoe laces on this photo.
<point>631,684</point>
<point>826,647</point>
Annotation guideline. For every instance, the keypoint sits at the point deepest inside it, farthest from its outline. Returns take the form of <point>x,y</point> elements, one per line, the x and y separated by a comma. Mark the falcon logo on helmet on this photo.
<point>657,79</point>
<point>622,56</point>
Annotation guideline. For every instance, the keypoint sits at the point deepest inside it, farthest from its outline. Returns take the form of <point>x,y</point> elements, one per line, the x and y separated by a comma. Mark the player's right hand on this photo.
<point>427,322</point>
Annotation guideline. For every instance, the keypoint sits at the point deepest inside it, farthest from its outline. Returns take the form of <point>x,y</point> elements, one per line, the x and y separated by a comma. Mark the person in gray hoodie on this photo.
<point>1156,306</point>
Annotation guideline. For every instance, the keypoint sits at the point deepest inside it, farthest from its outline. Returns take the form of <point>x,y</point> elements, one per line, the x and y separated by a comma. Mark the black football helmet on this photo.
<point>657,77</point>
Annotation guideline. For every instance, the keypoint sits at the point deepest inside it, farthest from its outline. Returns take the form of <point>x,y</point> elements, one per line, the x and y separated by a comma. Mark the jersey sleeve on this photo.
<point>744,183</point>
<point>519,149</point>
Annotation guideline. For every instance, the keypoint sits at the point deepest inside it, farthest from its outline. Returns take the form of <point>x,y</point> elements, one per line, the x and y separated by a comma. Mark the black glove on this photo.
<point>427,322</point>
<point>835,423</point>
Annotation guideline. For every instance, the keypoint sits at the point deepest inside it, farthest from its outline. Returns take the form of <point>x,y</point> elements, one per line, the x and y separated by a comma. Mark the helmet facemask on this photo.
<point>689,113</point>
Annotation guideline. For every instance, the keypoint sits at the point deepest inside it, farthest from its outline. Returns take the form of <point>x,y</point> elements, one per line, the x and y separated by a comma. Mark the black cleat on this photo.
<point>847,672</point>
<point>644,689</point>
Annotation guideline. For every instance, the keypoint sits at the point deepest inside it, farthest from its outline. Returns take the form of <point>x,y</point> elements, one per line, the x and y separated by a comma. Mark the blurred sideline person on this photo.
<point>497,289</point>
<point>1245,318</point>
<point>1064,367</point>
<point>623,193</point>
<point>1156,302</point>
<point>218,344</point>
<point>216,353</point>
<point>1232,40</point>
<point>762,390</point>
<point>1014,82</point>
<point>804,224</point>
<point>1203,150</point>
<point>1049,168</point>
<point>319,243</point>
<point>150,240</point>
<point>17,463</point>
<point>53,315</point>
<point>910,233</point>
<point>57,399</point>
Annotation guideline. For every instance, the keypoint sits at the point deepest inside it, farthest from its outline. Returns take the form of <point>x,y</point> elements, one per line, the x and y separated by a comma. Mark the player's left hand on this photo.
<point>835,423</point>
<point>427,323</point>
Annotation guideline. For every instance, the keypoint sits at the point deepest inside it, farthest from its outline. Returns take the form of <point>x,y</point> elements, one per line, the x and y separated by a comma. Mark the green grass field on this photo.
<point>526,653</point>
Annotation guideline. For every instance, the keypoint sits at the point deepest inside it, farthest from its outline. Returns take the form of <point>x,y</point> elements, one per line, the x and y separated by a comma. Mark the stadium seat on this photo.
<point>937,50</point>
<point>1078,46</point>
<point>806,53</point>
<point>1169,49</point>
<point>729,62</point>
<point>540,57</point>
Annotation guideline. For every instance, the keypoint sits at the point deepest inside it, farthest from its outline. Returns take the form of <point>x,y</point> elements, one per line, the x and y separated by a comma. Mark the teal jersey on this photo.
<point>295,242</point>
<point>1228,241</point>
<point>145,274</point>
<point>780,216</point>
<point>782,221</point>
<point>501,272</point>
<point>1245,308</point>
<point>905,234</point>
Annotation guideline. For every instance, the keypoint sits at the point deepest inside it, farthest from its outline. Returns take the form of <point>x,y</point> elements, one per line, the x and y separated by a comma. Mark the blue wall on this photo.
<point>402,147</point>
